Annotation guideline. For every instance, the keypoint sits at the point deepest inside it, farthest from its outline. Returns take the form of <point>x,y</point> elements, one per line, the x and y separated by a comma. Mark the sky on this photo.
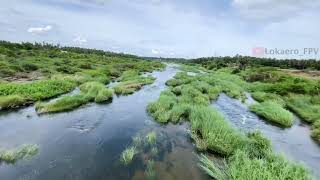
<point>168,28</point>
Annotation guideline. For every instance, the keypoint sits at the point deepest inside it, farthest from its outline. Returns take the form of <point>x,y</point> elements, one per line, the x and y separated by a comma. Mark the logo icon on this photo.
<point>258,51</point>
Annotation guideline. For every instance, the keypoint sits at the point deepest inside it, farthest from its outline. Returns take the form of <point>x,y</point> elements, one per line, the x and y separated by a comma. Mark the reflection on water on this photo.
<point>294,142</point>
<point>86,143</point>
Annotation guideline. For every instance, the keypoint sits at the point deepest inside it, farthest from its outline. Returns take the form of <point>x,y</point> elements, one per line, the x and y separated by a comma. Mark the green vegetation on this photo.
<point>241,167</point>
<point>150,172</point>
<point>90,91</point>
<point>255,161</point>
<point>62,69</point>
<point>218,134</point>
<point>24,151</point>
<point>14,95</point>
<point>273,112</point>
<point>188,98</point>
<point>131,81</point>
<point>12,101</point>
<point>128,155</point>
<point>308,108</point>
<point>151,138</point>
<point>262,96</point>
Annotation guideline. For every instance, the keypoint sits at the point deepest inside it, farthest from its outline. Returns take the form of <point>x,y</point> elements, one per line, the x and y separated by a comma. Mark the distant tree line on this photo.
<point>9,48</point>
<point>243,61</point>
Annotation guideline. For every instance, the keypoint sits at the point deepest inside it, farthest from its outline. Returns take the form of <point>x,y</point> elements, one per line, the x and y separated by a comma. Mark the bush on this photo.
<point>29,67</point>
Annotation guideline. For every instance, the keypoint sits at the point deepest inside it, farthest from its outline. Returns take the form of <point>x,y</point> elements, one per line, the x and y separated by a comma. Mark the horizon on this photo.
<point>173,29</point>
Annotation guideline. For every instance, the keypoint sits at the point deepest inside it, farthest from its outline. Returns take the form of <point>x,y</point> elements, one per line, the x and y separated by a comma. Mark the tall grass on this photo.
<point>273,112</point>
<point>241,167</point>
<point>262,96</point>
<point>128,155</point>
<point>90,91</point>
<point>219,135</point>
<point>150,172</point>
<point>12,101</point>
<point>305,107</point>
<point>161,109</point>
<point>132,84</point>
<point>315,133</point>
<point>151,138</point>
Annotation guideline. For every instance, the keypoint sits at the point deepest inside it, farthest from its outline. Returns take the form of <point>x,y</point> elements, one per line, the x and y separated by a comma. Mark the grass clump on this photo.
<point>218,134</point>
<point>307,107</point>
<point>151,138</point>
<point>127,155</point>
<point>24,151</point>
<point>12,101</point>
<point>262,96</point>
<point>150,172</point>
<point>315,133</point>
<point>273,112</point>
<point>131,82</point>
<point>66,103</point>
<point>241,167</point>
<point>90,91</point>
<point>161,109</point>
<point>179,111</point>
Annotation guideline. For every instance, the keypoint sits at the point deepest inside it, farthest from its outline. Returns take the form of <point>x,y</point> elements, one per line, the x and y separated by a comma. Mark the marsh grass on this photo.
<point>307,107</point>
<point>66,103</point>
<point>241,167</point>
<point>273,112</point>
<point>150,172</point>
<point>12,101</point>
<point>132,84</point>
<point>315,131</point>
<point>128,155</point>
<point>262,96</point>
<point>137,141</point>
<point>151,138</point>
<point>13,155</point>
<point>161,109</point>
<point>63,69</point>
<point>90,91</point>
<point>15,95</point>
<point>211,126</point>
<point>216,171</point>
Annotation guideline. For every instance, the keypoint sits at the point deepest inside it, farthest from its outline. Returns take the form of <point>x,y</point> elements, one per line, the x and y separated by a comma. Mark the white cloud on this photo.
<point>274,9</point>
<point>39,30</point>
<point>80,40</point>
<point>154,51</point>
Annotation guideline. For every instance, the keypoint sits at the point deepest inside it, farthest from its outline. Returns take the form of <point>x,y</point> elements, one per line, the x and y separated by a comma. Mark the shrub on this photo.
<point>29,66</point>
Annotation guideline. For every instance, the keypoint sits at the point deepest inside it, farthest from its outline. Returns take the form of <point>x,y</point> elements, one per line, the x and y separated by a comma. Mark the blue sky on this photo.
<point>167,28</point>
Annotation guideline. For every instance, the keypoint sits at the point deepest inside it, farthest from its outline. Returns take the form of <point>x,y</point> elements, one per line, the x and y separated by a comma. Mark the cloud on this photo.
<point>154,51</point>
<point>273,9</point>
<point>80,40</point>
<point>39,30</point>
